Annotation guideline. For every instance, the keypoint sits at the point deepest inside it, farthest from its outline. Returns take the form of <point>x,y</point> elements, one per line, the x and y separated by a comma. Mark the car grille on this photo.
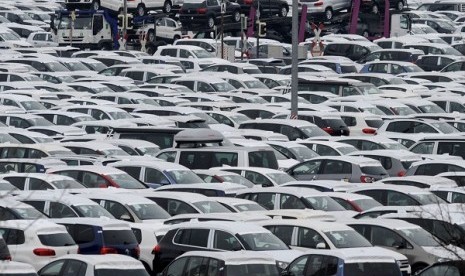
<point>75,38</point>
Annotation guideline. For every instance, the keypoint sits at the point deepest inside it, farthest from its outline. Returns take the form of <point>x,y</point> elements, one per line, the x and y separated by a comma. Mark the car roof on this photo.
<point>105,223</point>
<point>227,226</point>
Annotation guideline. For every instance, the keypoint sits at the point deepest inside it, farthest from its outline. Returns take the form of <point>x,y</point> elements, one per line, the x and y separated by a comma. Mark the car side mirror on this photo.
<point>125,217</point>
<point>321,245</point>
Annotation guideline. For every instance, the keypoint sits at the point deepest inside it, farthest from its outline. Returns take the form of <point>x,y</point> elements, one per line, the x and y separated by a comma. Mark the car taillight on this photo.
<point>369,130</point>
<point>318,4</point>
<point>366,179</point>
<point>401,173</point>
<point>328,130</point>
<point>137,251</point>
<point>7,258</point>
<point>248,2</point>
<point>44,252</point>
<point>156,249</point>
<point>108,250</point>
<point>202,10</point>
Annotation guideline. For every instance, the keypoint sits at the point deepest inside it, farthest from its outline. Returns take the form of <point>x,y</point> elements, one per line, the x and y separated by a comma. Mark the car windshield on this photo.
<point>92,211</point>
<point>55,66</point>
<point>184,176</point>
<point>201,53</point>
<point>120,272</point>
<point>114,152</point>
<point>262,242</point>
<point>67,184</point>
<point>373,110</point>
<point>76,66</point>
<point>431,109</point>
<point>347,239</point>
<point>151,151</point>
<point>237,179</point>
<point>445,127</point>
<point>147,101</point>
<point>243,207</point>
<point>146,211</point>
<point>27,213</point>
<point>33,105</point>
<point>394,146</point>
<point>367,203</point>
<point>5,138</point>
<point>371,268</point>
<point>346,150</point>
<point>9,36</point>
<point>280,178</point>
<point>427,198</point>
<point>222,87</point>
<point>312,131</point>
<point>120,115</point>
<point>126,181</point>
<point>369,89</point>
<point>211,207</point>
<point>255,84</point>
<point>304,152</point>
<point>324,203</point>
<point>252,270</point>
<point>420,236</point>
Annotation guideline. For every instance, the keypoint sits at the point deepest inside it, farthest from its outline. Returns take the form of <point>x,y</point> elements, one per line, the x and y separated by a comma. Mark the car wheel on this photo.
<point>400,5</point>
<point>151,36</point>
<point>328,14</point>
<point>176,37</point>
<point>167,6</point>
<point>375,8</point>
<point>284,11</point>
<point>141,10</point>
<point>96,5</point>
<point>211,22</point>
<point>237,16</point>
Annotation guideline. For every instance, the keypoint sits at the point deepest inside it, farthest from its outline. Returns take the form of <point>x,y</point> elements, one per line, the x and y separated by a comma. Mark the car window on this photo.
<point>59,210</point>
<point>53,269</point>
<point>38,184</point>
<point>386,237</point>
<point>310,167</point>
<point>291,202</point>
<point>192,237</point>
<point>322,265</point>
<point>283,232</point>
<point>297,267</point>
<point>398,199</point>
<point>423,148</point>
<point>266,200</point>
<point>225,241</point>
<point>444,270</point>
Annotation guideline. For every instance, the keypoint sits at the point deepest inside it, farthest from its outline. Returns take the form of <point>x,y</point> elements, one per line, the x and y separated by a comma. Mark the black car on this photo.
<point>435,62</point>
<point>268,8</point>
<point>208,12</point>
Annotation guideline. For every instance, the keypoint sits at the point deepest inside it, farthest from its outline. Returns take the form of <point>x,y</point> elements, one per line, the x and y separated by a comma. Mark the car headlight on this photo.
<point>399,263</point>
<point>281,265</point>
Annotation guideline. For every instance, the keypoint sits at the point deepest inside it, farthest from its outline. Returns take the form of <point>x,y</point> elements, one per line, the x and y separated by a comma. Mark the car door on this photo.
<point>335,170</point>
<point>308,170</point>
<point>162,29</point>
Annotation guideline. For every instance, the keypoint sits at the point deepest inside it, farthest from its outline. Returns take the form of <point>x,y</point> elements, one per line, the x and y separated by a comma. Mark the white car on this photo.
<point>16,268</point>
<point>140,7</point>
<point>112,264</point>
<point>37,242</point>
<point>166,29</point>
<point>41,39</point>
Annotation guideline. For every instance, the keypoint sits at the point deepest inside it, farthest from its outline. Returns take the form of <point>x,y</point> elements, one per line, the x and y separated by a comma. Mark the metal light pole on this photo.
<point>223,11</point>
<point>295,60</point>
<point>257,31</point>
<point>125,20</point>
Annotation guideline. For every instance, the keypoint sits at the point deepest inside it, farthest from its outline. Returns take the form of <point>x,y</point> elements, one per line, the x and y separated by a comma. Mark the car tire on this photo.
<point>375,8</point>
<point>210,22</point>
<point>176,37</point>
<point>400,5</point>
<point>167,6</point>
<point>151,36</point>
<point>141,11</point>
<point>284,11</point>
<point>95,5</point>
<point>329,13</point>
<point>237,16</point>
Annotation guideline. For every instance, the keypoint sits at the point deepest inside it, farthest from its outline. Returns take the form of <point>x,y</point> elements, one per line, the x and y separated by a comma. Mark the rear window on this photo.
<point>119,237</point>
<point>263,159</point>
<point>120,272</point>
<point>137,234</point>
<point>334,123</point>
<point>57,239</point>
<point>374,123</point>
<point>348,69</point>
<point>380,269</point>
<point>373,170</point>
